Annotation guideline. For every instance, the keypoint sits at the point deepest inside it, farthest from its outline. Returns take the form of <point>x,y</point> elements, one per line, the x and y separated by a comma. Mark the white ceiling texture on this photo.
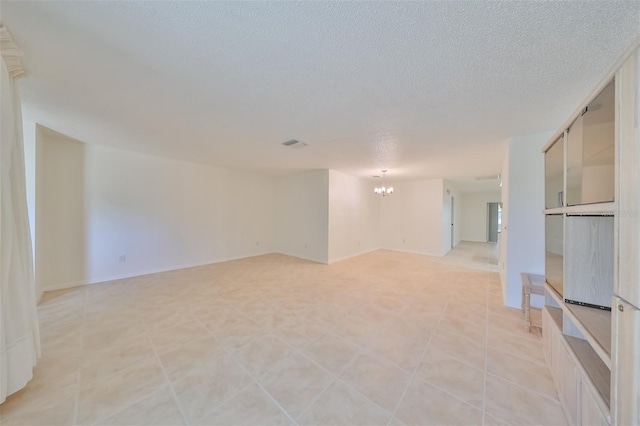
<point>423,89</point>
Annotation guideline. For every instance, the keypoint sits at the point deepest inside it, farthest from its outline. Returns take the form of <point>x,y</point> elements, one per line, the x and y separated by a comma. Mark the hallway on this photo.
<point>476,255</point>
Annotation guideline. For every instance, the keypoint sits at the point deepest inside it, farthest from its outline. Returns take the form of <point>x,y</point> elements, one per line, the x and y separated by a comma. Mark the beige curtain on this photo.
<point>19,335</point>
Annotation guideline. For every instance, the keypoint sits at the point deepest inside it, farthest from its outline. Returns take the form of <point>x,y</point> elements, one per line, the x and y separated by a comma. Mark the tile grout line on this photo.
<point>336,378</point>
<point>339,379</point>
<point>76,406</point>
<point>255,381</point>
<point>524,387</point>
<point>166,376</point>
<point>411,376</point>
<point>126,407</point>
<point>486,357</point>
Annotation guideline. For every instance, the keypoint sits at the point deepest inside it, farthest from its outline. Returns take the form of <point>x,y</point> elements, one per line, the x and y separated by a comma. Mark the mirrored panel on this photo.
<point>554,248</point>
<point>591,152</point>
<point>554,176</point>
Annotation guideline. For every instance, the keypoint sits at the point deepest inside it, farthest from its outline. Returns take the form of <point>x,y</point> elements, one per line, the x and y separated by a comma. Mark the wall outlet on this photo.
<point>257,243</point>
<point>305,245</point>
<point>404,240</point>
<point>122,258</point>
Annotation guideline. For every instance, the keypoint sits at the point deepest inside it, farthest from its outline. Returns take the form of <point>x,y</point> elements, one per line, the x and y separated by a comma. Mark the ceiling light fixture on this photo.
<point>383,190</point>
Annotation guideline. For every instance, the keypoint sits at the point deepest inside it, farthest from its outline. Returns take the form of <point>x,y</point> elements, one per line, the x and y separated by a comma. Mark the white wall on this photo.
<point>523,232</point>
<point>412,218</point>
<point>302,215</point>
<point>474,214</point>
<point>354,216</point>
<point>97,204</point>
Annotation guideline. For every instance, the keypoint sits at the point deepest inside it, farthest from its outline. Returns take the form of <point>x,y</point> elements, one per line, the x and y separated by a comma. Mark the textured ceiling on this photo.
<point>424,89</point>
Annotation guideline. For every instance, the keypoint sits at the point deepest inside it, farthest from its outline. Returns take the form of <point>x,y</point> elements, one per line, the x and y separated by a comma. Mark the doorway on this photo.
<point>494,213</point>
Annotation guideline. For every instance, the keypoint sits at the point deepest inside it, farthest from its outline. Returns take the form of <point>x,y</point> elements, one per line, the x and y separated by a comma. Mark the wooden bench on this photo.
<point>531,284</point>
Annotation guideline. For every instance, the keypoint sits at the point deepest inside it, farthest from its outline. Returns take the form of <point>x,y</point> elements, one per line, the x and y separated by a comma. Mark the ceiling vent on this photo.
<point>295,144</point>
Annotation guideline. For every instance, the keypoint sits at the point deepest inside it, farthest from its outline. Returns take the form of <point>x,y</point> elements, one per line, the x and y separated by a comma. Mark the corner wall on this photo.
<point>522,238</point>
<point>354,216</point>
<point>104,214</point>
<point>412,218</point>
<point>302,215</point>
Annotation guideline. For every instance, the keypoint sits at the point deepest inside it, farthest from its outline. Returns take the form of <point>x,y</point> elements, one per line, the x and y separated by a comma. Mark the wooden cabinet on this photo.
<point>626,364</point>
<point>625,408</point>
<point>552,324</point>
<point>593,254</point>
<point>590,412</point>
<point>627,286</point>
<point>578,381</point>
<point>568,381</point>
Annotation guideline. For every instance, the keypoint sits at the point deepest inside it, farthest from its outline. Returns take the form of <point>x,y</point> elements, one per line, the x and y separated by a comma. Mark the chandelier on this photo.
<point>383,190</point>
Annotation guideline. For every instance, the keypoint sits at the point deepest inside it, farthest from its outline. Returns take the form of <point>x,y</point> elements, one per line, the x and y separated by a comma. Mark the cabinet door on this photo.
<point>626,364</point>
<point>627,284</point>
<point>551,336</point>
<point>590,414</point>
<point>547,332</point>
<point>568,383</point>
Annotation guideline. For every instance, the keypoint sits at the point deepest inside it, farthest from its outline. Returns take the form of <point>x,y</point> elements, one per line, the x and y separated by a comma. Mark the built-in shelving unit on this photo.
<point>580,210</point>
<point>591,317</point>
<point>593,324</point>
<point>596,370</point>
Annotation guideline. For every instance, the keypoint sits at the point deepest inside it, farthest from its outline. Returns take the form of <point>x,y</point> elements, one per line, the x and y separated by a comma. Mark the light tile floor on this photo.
<point>476,255</point>
<point>385,338</point>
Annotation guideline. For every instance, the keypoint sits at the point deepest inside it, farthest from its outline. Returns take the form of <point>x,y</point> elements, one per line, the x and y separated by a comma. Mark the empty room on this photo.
<point>320,213</point>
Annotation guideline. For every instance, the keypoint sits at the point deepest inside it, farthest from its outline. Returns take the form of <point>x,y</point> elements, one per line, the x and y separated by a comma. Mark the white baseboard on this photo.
<point>424,253</point>
<point>340,259</point>
<point>115,277</point>
<point>90,281</point>
<point>300,257</point>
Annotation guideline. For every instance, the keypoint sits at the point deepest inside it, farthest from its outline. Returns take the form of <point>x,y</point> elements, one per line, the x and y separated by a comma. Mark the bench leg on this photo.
<point>527,311</point>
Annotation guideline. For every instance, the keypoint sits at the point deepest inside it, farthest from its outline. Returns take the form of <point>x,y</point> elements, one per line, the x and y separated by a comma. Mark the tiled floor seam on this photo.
<point>185,419</point>
<point>220,404</point>
<point>255,380</point>
<point>486,359</point>
<point>76,406</point>
<point>413,374</point>
<point>337,378</point>
<point>115,412</point>
<point>525,387</point>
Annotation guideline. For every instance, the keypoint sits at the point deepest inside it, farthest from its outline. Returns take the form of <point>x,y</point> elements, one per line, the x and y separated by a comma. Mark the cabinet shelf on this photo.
<point>600,209</point>
<point>594,324</point>
<point>554,294</point>
<point>555,210</point>
<point>556,316</point>
<point>598,372</point>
